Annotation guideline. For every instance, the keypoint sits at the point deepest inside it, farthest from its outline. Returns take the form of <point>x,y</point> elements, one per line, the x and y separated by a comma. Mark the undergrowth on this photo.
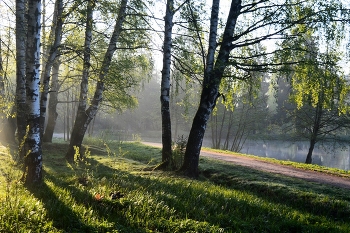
<point>79,197</point>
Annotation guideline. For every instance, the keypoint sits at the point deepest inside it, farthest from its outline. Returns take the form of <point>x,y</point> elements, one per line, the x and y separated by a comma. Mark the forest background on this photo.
<point>272,70</point>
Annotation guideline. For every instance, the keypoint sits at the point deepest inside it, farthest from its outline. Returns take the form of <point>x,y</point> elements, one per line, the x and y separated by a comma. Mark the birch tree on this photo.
<point>320,91</point>
<point>33,158</point>
<point>56,37</point>
<point>21,29</point>
<point>84,116</point>
<point>165,84</point>
<point>52,105</point>
<point>248,23</point>
<point>84,80</point>
<point>212,76</point>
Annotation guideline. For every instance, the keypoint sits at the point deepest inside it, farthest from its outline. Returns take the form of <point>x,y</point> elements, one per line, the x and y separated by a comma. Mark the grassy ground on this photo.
<point>226,198</point>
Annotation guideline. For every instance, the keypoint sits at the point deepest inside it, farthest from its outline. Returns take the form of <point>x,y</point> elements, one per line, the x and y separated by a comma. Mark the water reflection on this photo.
<point>297,151</point>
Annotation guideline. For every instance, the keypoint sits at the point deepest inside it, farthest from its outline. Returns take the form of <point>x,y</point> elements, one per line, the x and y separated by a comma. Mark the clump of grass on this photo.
<point>226,198</point>
<point>178,153</point>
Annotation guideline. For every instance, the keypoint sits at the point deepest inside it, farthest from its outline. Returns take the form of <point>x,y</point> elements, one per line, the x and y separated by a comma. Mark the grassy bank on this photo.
<point>226,198</point>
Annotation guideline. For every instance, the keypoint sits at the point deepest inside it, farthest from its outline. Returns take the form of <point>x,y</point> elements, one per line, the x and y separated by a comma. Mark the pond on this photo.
<point>325,155</point>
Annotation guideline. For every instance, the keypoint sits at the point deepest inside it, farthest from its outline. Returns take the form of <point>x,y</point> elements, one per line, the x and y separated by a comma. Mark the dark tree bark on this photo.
<point>165,86</point>
<point>84,117</point>
<point>210,91</point>
<point>53,101</point>
<point>315,129</point>
<point>81,115</point>
<point>33,160</point>
<point>56,36</point>
<point>311,149</point>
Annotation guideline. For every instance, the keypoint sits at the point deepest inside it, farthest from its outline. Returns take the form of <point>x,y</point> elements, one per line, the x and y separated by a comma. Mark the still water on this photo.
<point>330,156</point>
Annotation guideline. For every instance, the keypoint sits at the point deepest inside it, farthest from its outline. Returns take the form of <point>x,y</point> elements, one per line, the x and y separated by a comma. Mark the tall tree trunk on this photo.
<point>210,90</point>
<point>53,101</point>
<point>56,36</point>
<point>33,159</point>
<point>84,118</point>
<point>165,85</point>
<point>84,83</point>
<point>21,29</point>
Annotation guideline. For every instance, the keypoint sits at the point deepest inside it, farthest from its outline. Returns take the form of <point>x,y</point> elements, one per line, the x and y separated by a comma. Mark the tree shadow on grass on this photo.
<point>71,206</point>
<point>62,216</point>
<point>78,210</point>
<point>317,199</point>
<point>197,202</point>
<point>193,202</point>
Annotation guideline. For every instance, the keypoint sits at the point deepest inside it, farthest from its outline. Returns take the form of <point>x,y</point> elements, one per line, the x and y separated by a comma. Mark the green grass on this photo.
<point>226,198</point>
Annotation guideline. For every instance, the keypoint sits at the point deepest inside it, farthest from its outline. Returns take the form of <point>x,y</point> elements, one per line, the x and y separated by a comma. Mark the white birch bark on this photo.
<point>165,85</point>
<point>21,71</point>
<point>33,159</point>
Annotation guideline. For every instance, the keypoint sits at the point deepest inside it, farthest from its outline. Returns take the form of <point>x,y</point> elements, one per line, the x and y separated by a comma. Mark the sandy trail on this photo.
<point>313,176</point>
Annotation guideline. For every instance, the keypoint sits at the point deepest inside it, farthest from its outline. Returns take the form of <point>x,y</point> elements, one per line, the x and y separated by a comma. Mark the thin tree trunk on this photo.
<point>64,126</point>
<point>309,154</point>
<point>213,131</point>
<point>33,159</point>
<point>53,101</point>
<point>56,35</point>
<point>7,131</point>
<point>2,74</point>
<point>84,118</point>
<point>67,117</point>
<point>221,128</point>
<point>165,85</point>
<point>21,73</point>
<point>210,90</point>
<point>228,134</point>
<point>315,129</point>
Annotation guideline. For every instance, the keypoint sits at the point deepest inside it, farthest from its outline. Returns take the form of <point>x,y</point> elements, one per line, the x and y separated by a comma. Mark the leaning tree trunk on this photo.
<point>21,73</point>
<point>81,115</point>
<point>311,149</point>
<point>165,85</point>
<point>56,36</point>
<point>315,129</point>
<point>84,118</point>
<point>33,159</point>
<point>53,101</point>
<point>210,90</point>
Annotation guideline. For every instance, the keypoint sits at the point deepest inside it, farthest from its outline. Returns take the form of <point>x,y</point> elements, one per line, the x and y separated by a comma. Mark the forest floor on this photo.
<point>257,164</point>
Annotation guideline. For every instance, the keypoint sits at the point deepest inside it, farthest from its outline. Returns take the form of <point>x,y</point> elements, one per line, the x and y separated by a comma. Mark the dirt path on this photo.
<point>312,176</point>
